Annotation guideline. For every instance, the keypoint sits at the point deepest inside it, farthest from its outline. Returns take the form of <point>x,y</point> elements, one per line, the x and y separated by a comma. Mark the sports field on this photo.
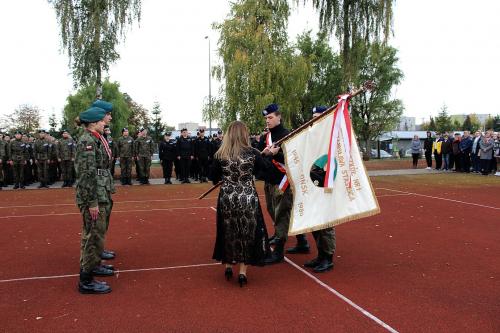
<point>428,263</point>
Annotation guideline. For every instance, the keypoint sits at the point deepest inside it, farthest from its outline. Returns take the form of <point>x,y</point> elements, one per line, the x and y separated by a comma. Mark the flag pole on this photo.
<point>368,85</point>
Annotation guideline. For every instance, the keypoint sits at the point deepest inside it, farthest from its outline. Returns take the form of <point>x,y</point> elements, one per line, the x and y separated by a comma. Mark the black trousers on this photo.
<point>458,162</point>
<point>415,159</point>
<point>439,160</point>
<point>203,165</point>
<point>167,168</point>
<point>185,165</point>
<point>465,161</point>
<point>485,166</point>
<point>428,158</point>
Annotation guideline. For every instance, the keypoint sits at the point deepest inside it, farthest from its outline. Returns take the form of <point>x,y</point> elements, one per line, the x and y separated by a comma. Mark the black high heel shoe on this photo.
<point>228,273</point>
<point>242,279</point>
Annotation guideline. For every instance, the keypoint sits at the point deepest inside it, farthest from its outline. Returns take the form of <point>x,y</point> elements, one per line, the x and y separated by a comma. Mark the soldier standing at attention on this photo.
<point>3,159</point>
<point>112,146</point>
<point>42,155</point>
<point>66,157</point>
<point>18,154</point>
<point>144,149</point>
<point>167,153</point>
<point>27,171</point>
<point>278,194</point>
<point>202,150</point>
<point>125,149</point>
<point>185,154</point>
<point>93,196</point>
<point>53,164</point>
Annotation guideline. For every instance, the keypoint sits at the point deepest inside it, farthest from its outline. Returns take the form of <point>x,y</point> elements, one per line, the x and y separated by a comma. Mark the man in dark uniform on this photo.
<point>167,152</point>
<point>216,142</point>
<point>42,156</point>
<point>325,238</point>
<point>18,154</point>
<point>278,194</point>
<point>202,150</point>
<point>185,154</point>
<point>66,149</point>
<point>125,150</point>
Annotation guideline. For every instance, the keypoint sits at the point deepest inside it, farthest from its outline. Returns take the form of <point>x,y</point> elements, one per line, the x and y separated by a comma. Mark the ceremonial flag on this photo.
<point>327,175</point>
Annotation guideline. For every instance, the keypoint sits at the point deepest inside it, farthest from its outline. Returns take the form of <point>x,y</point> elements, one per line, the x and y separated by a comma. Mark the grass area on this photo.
<point>445,180</point>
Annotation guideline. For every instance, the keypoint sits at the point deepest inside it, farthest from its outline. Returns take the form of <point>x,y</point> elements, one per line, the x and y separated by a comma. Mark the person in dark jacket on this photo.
<point>167,152</point>
<point>185,154</point>
<point>428,150</point>
<point>446,151</point>
<point>457,154</point>
<point>202,150</point>
<point>465,150</point>
<point>475,152</point>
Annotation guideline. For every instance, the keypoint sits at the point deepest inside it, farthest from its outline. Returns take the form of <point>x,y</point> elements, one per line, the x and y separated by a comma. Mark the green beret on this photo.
<point>92,115</point>
<point>106,106</point>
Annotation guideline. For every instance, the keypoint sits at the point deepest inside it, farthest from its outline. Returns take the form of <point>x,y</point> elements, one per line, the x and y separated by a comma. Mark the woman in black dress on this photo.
<point>241,232</point>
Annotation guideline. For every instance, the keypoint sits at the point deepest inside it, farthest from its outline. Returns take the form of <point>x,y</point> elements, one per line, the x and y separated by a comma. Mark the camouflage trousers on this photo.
<point>144,164</point>
<point>126,167</point>
<point>279,206</point>
<point>43,171</point>
<point>325,241</point>
<point>93,236</point>
<point>67,170</point>
<point>18,168</point>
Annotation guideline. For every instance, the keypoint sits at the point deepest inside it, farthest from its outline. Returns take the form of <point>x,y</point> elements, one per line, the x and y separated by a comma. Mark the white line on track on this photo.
<point>392,195</point>
<point>116,272</point>
<point>342,297</point>
<point>439,198</point>
<point>114,211</point>
<point>115,202</point>
<point>213,208</point>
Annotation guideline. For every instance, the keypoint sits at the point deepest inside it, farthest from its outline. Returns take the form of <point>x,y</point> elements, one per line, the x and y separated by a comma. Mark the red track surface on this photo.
<point>424,264</point>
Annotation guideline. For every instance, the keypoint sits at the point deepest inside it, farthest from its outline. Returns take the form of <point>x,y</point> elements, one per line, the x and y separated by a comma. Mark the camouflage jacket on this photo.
<point>43,150</point>
<point>66,149</point>
<point>125,147</point>
<point>94,183</point>
<point>18,151</point>
<point>144,147</point>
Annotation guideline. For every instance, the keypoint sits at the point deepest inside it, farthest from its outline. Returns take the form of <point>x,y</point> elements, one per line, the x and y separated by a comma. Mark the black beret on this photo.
<point>271,108</point>
<point>319,109</point>
<point>124,129</point>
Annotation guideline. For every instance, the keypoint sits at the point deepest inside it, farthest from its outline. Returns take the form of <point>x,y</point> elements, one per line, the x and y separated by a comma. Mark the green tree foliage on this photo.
<point>139,115</point>
<point>496,123</point>
<point>432,125</point>
<point>354,23</point>
<point>25,118</point>
<point>443,120</point>
<point>90,32</point>
<point>84,98</point>
<point>258,65</point>
<point>53,125</point>
<point>490,123</point>
<point>157,126</point>
<point>325,80</point>
<point>456,125</point>
<point>375,112</point>
<point>471,123</point>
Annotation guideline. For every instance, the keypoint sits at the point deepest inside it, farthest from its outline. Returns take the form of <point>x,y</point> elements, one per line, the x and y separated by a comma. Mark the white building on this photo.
<point>191,127</point>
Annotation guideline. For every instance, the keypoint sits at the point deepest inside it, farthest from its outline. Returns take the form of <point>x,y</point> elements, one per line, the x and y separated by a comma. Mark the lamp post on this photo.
<point>209,90</point>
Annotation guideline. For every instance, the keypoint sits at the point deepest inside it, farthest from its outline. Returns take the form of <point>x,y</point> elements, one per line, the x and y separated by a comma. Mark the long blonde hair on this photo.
<point>236,139</point>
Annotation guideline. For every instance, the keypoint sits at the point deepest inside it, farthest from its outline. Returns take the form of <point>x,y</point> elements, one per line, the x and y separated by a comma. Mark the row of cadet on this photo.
<point>460,152</point>
<point>26,159</point>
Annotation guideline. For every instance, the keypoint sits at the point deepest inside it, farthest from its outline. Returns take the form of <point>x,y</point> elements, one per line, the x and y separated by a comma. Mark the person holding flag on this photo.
<point>277,190</point>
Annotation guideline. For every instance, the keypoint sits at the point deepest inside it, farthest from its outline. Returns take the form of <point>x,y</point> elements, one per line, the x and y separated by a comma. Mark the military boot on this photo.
<point>107,255</point>
<point>325,264</point>
<point>87,285</point>
<point>301,247</point>
<point>16,186</point>
<point>102,271</point>
<point>313,263</point>
<point>277,255</point>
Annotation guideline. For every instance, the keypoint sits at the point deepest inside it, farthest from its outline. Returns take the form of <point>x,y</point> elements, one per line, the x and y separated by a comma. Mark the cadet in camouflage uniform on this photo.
<point>18,154</point>
<point>42,156</point>
<point>112,146</point>
<point>3,158</point>
<point>125,149</point>
<point>53,163</point>
<point>66,157</point>
<point>144,149</point>
<point>93,196</point>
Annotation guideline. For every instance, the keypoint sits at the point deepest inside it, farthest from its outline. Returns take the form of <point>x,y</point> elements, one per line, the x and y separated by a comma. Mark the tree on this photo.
<point>443,120</point>
<point>139,115</point>
<point>456,125</point>
<point>490,123</point>
<point>52,124</point>
<point>471,123</point>
<point>25,118</point>
<point>258,66</point>
<point>355,23</point>
<point>325,80</point>
<point>90,31</point>
<point>432,125</point>
<point>375,112</point>
<point>496,126</point>
<point>85,96</point>
<point>157,127</point>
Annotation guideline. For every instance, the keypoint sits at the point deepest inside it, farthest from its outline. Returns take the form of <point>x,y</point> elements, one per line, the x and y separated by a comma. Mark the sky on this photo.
<point>448,51</point>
